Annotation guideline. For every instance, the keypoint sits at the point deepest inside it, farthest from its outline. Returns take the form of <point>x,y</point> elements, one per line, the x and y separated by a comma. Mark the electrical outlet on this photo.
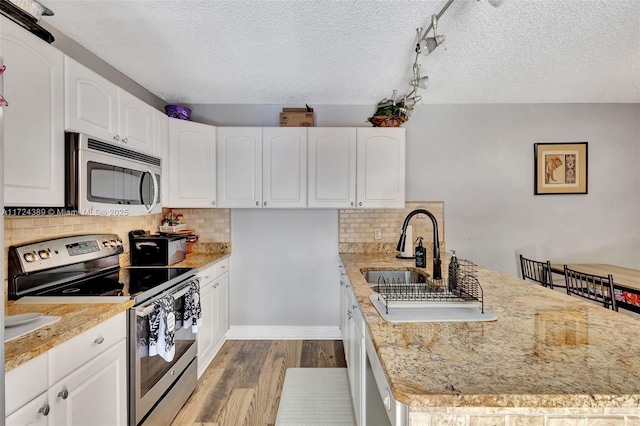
<point>377,234</point>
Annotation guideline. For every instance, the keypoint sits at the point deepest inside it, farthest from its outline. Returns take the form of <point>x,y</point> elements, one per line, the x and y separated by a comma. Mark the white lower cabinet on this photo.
<point>34,413</point>
<point>94,394</point>
<point>353,331</point>
<point>91,390</point>
<point>214,305</point>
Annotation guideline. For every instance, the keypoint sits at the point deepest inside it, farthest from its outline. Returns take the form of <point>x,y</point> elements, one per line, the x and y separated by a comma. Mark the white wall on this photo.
<point>478,159</point>
<point>283,269</point>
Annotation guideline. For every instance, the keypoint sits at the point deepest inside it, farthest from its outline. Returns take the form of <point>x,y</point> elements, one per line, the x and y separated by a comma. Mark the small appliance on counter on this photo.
<point>156,250</point>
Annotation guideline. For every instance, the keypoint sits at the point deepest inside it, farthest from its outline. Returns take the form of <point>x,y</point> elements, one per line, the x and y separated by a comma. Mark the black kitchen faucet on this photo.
<point>437,273</point>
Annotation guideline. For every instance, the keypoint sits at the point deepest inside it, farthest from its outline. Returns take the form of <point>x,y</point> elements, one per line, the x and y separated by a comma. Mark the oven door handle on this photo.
<point>143,311</point>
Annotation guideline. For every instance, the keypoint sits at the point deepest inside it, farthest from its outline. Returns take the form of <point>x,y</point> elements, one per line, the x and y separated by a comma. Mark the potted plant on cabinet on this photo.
<point>390,113</point>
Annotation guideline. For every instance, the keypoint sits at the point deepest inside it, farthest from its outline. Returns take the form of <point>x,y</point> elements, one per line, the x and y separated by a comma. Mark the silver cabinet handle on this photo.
<point>206,277</point>
<point>99,340</point>
<point>257,203</point>
<point>341,283</point>
<point>44,410</point>
<point>352,203</point>
<point>213,203</point>
<point>116,137</point>
<point>349,314</point>
<point>125,140</point>
<point>265,203</point>
<point>354,307</point>
<point>64,394</point>
<point>223,267</point>
<point>360,203</point>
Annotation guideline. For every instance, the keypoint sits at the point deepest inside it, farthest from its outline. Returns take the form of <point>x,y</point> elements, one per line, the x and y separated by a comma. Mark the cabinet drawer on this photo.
<point>25,382</point>
<point>206,275</point>
<point>220,267</point>
<point>77,351</point>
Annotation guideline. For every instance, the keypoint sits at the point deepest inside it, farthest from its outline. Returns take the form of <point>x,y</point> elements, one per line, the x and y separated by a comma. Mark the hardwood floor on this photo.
<point>242,386</point>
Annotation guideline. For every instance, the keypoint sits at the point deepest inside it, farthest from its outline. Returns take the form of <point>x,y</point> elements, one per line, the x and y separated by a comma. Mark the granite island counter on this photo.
<point>549,357</point>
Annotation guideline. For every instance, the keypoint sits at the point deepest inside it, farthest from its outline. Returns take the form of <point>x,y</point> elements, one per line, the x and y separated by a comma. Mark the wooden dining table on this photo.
<point>626,281</point>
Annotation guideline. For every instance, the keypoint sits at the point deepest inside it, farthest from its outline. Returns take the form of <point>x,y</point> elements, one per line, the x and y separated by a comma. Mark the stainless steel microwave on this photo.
<point>104,179</point>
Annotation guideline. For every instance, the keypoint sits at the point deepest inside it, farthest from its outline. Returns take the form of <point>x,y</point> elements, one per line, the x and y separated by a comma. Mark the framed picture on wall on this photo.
<point>560,168</point>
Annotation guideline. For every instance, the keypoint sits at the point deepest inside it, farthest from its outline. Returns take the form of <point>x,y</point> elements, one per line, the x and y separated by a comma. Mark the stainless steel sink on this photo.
<point>395,276</point>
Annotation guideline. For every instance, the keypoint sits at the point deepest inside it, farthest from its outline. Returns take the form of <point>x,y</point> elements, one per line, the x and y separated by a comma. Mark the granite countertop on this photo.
<point>75,318</point>
<point>200,260</point>
<point>546,349</point>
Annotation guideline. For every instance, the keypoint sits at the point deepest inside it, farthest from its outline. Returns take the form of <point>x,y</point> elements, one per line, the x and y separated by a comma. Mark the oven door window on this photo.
<point>153,368</point>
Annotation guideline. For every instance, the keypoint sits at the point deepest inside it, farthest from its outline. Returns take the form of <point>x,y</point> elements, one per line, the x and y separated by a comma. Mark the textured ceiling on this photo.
<point>357,52</point>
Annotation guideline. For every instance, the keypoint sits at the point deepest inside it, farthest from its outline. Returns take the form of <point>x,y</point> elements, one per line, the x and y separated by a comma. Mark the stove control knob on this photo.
<point>119,243</point>
<point>29,257</point>
<point>112,243</point>
<point>105,243</point>
<point>44,254</point>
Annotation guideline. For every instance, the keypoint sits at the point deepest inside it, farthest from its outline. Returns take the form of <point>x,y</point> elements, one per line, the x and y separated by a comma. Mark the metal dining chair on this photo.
<point>534,270</point>
<point>593,287</point>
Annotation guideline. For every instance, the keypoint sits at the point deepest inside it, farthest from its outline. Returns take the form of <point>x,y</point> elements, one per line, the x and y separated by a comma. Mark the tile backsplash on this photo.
<point>357,227</point>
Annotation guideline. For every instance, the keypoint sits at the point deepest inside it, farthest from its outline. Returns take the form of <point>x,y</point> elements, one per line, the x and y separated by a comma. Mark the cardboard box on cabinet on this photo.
<point>296,117</point>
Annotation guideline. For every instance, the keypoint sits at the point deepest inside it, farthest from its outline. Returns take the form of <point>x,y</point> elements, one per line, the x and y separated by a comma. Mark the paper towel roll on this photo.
<point>408,244</point>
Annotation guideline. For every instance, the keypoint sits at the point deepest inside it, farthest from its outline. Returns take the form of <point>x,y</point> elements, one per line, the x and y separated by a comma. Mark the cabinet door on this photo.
<point>161,149</point>
<point>135,122</point>
<point>192,164</point>
<point>332,167</point>
<point>91,102</point>
<point>359,366</point>
<point>381,167</point>
<point>34,122</point>
<point>222,307</point>
<point>284,172</point>
<point>35,413</point>
<point>240,166</point>
<point>95,393</point>
<point>206,330</point>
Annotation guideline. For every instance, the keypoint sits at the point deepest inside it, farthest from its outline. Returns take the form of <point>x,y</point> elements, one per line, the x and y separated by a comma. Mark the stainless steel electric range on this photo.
<point>85,269</point>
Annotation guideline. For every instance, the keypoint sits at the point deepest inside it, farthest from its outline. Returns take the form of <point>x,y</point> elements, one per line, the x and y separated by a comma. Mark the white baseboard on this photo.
<point>275,332</point>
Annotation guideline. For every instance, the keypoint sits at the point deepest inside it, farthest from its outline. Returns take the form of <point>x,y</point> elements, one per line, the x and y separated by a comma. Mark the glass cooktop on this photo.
<point>129,282</point>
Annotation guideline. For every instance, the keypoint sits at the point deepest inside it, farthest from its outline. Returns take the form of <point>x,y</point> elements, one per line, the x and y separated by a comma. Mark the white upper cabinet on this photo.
<point>380,167</point>
<point>135,122</point>
<point>262,167</point>
<point>284,167</point>
<point>161,150</point>
<point>192,164</point>
<point>34,120</point>
<point>332,167</point>
<point>95,106</point>
<point>239,166</point>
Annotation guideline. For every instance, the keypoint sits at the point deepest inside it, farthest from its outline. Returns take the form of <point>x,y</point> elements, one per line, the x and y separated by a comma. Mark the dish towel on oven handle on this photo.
<point>192,315</point>
<point>162,327</point>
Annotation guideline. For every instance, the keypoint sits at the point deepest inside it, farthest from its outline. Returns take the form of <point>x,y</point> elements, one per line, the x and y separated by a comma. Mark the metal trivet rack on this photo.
<point>461,286</point>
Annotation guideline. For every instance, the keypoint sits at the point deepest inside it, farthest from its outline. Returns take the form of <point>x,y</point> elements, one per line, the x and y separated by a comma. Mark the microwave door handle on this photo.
<point>155,191</point>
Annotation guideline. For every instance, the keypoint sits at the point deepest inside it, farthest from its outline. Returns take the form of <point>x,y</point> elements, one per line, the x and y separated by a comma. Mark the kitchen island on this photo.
<point>548,356</point>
